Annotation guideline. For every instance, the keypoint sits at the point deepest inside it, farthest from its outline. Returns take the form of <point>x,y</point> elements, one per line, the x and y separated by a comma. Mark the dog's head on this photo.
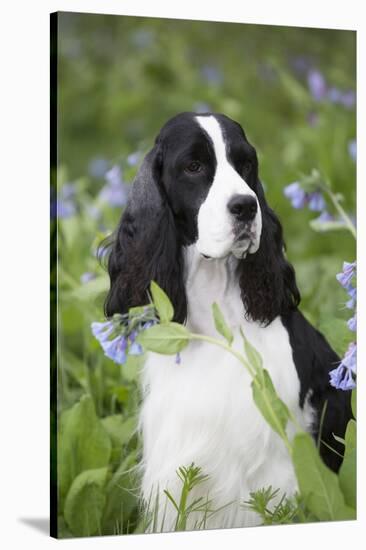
<point>199,185</point>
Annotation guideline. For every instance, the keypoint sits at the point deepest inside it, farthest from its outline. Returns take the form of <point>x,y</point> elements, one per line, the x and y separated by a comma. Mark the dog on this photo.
<point>197,222</point>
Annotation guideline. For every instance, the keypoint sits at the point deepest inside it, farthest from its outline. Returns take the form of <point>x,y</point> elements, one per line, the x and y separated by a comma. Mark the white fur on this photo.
<point>215,223</point>
<point>202,410</point>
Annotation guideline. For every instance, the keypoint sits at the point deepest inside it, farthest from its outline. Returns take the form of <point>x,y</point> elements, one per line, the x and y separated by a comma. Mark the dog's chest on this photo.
<point>202,409</point>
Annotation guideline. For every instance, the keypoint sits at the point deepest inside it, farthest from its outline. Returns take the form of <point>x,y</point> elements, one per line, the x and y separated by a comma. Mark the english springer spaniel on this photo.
<point>197,222</point>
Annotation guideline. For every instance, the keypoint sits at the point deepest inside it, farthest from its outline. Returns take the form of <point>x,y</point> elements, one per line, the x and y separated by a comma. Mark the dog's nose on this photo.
<point>243,207</point>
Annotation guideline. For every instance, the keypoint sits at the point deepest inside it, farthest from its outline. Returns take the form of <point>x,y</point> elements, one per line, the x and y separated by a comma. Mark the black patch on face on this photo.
<point>239,152</point>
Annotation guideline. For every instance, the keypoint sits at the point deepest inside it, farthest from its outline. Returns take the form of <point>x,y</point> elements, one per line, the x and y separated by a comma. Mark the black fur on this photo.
<point>314,358</point>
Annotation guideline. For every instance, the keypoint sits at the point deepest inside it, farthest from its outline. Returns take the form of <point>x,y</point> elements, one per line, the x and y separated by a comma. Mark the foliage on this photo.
<point>120,79</point>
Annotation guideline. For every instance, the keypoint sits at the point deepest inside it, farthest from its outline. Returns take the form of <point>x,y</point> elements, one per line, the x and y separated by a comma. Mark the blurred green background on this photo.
<point>119,80</point>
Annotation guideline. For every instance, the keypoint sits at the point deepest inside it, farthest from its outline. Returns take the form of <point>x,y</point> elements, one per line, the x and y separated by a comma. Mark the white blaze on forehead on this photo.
<point>215,223</point>
<point>213,129</point>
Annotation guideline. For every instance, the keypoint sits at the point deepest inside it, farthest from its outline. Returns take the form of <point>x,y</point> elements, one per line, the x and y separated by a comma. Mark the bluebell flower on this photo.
<point>295,194</point>
<point>334,95</point>
<point>65,201</point>
<point>352,149</point>
<point>300,64</point>
<point>317,85</point>
<point>316,201</point>
<point>352,323</point>
<point>65,209</point>
<point>116,349</point>
<point>352,292</point>
<point>133,158</point>
<point>68,191</point>
<point>202,107</point>
<point>345,277</point>
<point>325,217</point>
<point>114,192</point>
<point>343,376</point>
<point>102,331</point>
<point>348,99</point>
<point>135,349</point>
<point>212,74</point>
<point>86,277</point>
<point>98,167</point>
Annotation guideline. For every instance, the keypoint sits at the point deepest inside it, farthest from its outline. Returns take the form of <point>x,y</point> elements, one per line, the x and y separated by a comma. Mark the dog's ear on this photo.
<point>145,246</point>
<point>267,279</point>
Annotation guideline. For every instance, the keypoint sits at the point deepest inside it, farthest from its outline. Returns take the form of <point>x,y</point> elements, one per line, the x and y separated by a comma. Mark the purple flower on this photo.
<point>316,201</point>
<point>334,95</point>
<point>65,201</point>
<point>325,217</point>
<point>347,274</point>
<point>296,195</point>
<point>86,277</point>
<point>212,74</point>
<point>135,349</point>
<point>348,99</point>
<point>114,192</point>
<point>352,323</point>
<point>65,209</point>
<point>317,84</point>
<point>352,149</point>
<point>342,377</point>
<point>202,107</point>
<point>101,331</point>
<point>114,176</point>
<point>133,158</point>
<point>116,349</point>
<point>300,64</point>
<point>178,359</point>
<point>352,292</point>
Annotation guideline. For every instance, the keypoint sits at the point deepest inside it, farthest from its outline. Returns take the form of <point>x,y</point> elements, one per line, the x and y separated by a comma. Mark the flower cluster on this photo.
<point>117,336</point>
<point>65,205</point>
<point>343,377</point>
<point>320,90</point>
<point>300,198</point>
<point>114,191</point>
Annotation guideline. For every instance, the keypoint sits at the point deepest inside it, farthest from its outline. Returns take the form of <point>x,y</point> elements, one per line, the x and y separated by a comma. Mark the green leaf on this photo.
<point>85,502</point>
<point>324,226</point>
<point>119,430</point>
<point>347,472</point>
<point>317,483</point>
<point>83,443</point>
<point>162,303</point>
<point>270,405</point>
<point>254,358</point>
<point>89,291</point>
<point>121,495</point>
<point>354,402</point>
<point>221,325</point>
<point>167,339</point>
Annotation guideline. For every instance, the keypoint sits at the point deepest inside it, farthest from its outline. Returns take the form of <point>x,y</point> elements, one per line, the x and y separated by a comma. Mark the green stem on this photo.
<point>253,373</point>
<point>341,211</point>
<point>222,344</point>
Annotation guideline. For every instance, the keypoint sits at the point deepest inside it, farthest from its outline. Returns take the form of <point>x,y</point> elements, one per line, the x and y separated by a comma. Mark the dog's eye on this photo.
<point>194,167</point>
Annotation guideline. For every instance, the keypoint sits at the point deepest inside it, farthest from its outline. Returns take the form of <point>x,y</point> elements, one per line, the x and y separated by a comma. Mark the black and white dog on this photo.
<point>197,223</point>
